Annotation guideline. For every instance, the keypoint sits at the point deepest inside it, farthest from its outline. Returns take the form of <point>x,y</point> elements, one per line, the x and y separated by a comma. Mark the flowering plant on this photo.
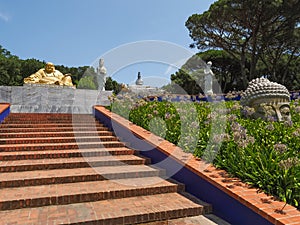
<point>265,154</point>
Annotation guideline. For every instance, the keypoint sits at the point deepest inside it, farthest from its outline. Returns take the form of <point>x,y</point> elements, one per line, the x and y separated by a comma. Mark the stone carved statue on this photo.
<point>49,75</point>
<point>101,75</point>
<point>268,99</point>
<point>208,79</point>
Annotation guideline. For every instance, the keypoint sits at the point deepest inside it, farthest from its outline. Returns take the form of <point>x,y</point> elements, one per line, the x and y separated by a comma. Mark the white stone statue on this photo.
<point>208,79</point>
<point>270,100</point>
<point>101,75</point>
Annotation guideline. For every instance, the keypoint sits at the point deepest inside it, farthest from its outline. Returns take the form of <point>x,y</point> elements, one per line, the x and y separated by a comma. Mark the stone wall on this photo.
<point>52,99</point>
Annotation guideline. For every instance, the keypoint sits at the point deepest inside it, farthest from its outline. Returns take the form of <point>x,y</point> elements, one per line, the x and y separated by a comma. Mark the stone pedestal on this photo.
<point>52,99</point>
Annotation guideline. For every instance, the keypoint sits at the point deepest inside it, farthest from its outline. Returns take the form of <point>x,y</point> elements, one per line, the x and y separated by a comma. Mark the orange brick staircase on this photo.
<point>70,169</point>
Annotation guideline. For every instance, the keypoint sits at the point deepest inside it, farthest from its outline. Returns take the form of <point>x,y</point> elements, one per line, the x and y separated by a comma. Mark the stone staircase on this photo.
<point>70,169</point>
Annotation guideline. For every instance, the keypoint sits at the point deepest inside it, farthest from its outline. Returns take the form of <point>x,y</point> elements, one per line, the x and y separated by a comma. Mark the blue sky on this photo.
<point>78,33</point>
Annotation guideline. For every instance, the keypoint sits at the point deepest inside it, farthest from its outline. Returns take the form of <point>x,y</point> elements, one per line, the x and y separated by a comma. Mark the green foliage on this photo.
<point>9,68</point>
<point>30,66</point>
<point>87,83</point>
<point>263,154</point>
<point>112,85</point>
<point>89,80</point>
<point>251,32</point>
<point>190,78</point>
<point>183,83</point>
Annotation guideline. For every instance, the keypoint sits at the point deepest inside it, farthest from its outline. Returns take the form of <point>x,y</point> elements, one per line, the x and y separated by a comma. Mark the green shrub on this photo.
<point>262,154</point>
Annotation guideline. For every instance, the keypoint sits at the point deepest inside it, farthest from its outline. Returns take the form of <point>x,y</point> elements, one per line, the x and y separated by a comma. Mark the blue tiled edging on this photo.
<point>4,111</point>
<point>224,206</point>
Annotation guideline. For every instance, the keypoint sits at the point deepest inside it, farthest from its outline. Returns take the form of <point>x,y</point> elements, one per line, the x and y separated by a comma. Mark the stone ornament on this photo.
<point>139,80</point>
<point>208,79</point>
<point>101,75</point>
<point>269,100</point>
<point>49,75</point>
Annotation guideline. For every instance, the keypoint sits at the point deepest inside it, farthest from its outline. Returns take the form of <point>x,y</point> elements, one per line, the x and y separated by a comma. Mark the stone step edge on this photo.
<point>49,125</point>
<point>115,211</point>
<point>51,129</point>
<point>55,146</point>
<point>68,153</point>
<point>56,134</point>
<point>74,178</point>
<point>84,196</point>
<point>86,162</point>
<point>205,219</point>
<point>36,140</point>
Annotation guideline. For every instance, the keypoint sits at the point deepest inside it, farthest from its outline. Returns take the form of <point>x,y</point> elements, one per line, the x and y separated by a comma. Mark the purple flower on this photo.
<point>270,127</point>
<point>296,133</point>
<point>232,117</point>
<point>297,109</point>
<point>168,115</point>
<point>288,123</point>
<point>247,111</point>
<point>280,148</point>
<point>236,107</point>
<point>288,163</point>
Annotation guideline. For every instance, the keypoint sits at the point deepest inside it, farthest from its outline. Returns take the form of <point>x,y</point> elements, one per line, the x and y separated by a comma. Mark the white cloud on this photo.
<point>4,16</point>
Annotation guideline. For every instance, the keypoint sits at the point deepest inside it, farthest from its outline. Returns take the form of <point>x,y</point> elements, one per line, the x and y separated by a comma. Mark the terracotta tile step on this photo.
<point>50,116</point>
<point>59,146</point>
<point>67,163</point>
<point>41,120</point>
<point>51,129</point>
<point>191,220</point>
<point>69,153</point>
<point>113,211</point>
<point>56,134</point>
<point>46,177</point>
<point>31,140</point>
<point>58,194</point>
<point>52,125</point>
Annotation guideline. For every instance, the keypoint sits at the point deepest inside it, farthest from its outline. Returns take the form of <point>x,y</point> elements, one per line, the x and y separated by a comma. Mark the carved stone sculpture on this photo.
<point>101,75</point>
<point>49,75</point>
<point>208,79</point>
<point>269,100</point>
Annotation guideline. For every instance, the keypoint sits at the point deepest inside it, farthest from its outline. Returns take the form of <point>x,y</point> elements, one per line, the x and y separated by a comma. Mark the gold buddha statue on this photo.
<point>269,100</point>
<point>49,75</point>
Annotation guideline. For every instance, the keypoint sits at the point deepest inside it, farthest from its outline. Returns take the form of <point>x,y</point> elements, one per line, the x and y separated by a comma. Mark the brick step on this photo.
<point>49,125</point>
<point>47,177</point>
<point>70,163</point>
<point>56,134</point>
<point>62,140</point>
<point>60,146</point>
<point>56,120</point>
<point>57,194</point>
<point>130,210</point>
<point>207,219</point>
<point>47,117</point>
<point>51,129</point>
<point>69,153</point>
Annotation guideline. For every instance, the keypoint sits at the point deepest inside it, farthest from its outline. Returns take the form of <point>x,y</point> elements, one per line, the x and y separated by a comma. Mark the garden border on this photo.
<point>232,200</point>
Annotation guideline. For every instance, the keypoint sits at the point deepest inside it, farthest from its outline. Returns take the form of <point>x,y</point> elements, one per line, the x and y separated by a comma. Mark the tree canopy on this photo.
<point>257,33</point>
